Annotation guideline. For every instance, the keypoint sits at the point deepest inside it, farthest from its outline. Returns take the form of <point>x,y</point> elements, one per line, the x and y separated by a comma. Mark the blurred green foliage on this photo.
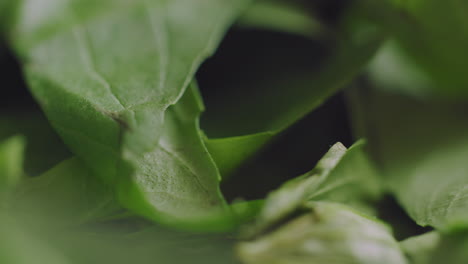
<point>137,177</point>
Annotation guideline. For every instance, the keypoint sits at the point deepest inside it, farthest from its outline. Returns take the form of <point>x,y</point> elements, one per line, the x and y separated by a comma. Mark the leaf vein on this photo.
<point>185,165</point>
<point>159,32</point>
<point>88,59</point>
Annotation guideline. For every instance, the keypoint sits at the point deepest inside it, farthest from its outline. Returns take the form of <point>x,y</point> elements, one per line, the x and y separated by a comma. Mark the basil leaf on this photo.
<point>329,233</point>
<point>68,193</point>
<point>420,249</point>
<point>4,8</point>
<point>106,73</point>
<point>75,212</point>
<point>420,146</point>
<point>269,108</point>
<point>281,16</point>
<point>13,239</point>
<point>21,248</point>
<point>146,247</point>
<point>435,247</point>
<point>80,246</point>
<point>178,183</point>
<point>433,33</point>
<point>11,163</point>
<point>400,74</point>
<point>451,248</point>
<point>341,175</point>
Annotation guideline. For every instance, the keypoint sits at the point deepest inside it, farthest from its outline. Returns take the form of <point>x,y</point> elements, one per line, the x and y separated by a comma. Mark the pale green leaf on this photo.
<point>329,233</point>
<point>420,249</point>
<point>341,175</point>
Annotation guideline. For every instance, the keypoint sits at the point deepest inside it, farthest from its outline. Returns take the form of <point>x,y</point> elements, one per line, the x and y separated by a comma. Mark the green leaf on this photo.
<point>451,248</point>
<point>178,182</point>
<point>433,33</point>
<point>435,247</point>
<point>74,211</point>
<point>341,175</point>
<point>18,247</point>
<point>68,193</point>
<point>420,249</point>
<point>110,245</point>
<point>237,131</point>
<point>329,233</point>
<point>281,16</point>
<point>155,244</point>
<point>401,74</point>
<point>421,147</point>
<point>4,8</point>
<point>106,73</point>
<point>27,241</point>
<point>11,163</point>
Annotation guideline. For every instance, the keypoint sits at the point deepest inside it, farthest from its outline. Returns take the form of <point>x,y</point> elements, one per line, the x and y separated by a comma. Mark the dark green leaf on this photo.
<point>434,34</point>
<point>44,148</point>
<point>11,163</point>
<point>399,72</point>
<point>247,119</point>
<point>451,248</point>
<point>421,147</point>
<point>281,16</point>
